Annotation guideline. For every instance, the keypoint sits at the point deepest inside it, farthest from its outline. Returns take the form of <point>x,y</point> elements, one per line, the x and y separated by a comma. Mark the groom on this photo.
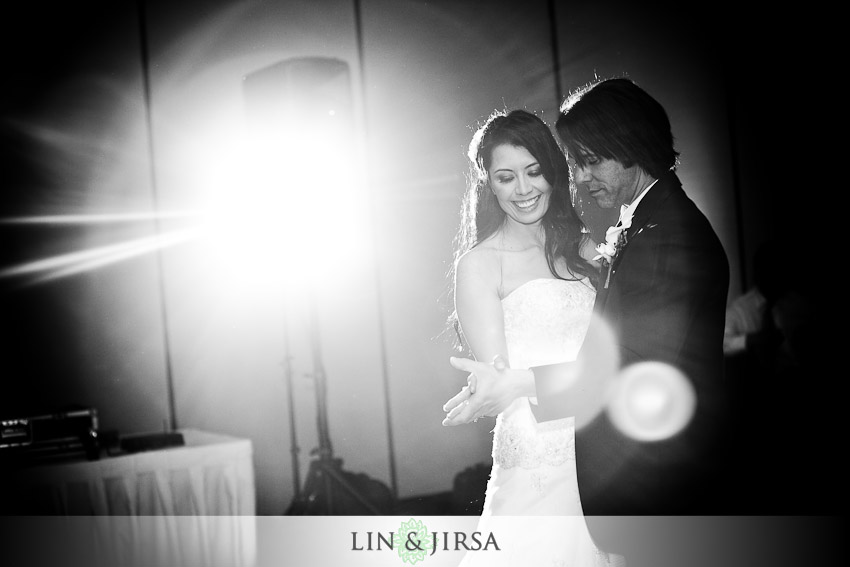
<point>662,292</point>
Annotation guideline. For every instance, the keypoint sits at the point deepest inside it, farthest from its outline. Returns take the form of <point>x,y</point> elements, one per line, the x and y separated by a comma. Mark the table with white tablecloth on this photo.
<point>192,504</point>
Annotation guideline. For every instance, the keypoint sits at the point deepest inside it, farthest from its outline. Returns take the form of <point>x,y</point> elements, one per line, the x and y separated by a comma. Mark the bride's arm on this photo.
<point>479,310</point>
<point>478,305</point>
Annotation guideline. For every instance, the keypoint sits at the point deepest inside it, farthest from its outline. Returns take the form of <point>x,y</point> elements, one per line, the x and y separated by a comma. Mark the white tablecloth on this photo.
<point>187,505</point>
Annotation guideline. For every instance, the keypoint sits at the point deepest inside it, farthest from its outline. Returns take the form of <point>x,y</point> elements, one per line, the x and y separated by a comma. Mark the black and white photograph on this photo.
<point>387,282</point>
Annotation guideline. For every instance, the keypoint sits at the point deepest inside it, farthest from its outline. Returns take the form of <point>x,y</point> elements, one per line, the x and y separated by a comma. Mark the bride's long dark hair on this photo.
<point>481,216</point>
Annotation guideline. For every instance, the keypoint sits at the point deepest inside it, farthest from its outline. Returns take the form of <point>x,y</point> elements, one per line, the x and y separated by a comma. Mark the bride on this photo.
<point>524,292</point>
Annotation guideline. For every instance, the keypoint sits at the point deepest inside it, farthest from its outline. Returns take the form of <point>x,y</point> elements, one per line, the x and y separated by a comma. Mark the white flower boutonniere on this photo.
<point>608,249</point>
<point>615,239</point>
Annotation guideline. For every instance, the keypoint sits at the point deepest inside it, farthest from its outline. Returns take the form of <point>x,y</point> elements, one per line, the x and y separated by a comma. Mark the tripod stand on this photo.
<point>293,437</point>
<point>328,489</point>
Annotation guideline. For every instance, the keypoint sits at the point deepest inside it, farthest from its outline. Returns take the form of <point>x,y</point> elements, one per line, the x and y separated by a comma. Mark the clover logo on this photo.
<point>412,541</point>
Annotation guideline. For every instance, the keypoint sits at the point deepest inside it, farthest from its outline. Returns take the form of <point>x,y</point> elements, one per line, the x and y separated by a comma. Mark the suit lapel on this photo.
<point>656,195</point>
<point>659,192</point>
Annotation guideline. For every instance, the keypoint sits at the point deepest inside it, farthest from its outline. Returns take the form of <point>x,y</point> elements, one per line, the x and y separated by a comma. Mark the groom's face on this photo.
<point>606,180</point>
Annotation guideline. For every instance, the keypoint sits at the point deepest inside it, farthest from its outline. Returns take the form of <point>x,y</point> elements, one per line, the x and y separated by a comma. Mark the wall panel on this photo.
<point>434,71</point>
<point>75,150</point>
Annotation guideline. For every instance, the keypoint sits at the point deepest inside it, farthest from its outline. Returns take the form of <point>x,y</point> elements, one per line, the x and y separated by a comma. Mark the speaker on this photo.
<point>298,96</point>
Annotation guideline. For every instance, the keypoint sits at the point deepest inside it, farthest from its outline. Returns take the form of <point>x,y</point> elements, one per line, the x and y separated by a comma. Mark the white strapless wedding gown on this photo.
<point>532,503</point>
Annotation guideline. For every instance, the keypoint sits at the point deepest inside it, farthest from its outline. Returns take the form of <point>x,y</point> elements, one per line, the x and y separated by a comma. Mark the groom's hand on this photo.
<point>488,392</point>
<point>458,405</point>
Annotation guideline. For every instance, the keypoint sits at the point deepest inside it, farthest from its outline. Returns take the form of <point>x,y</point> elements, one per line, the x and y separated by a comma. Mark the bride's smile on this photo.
<point>528,204</point>
<point>517,181</point>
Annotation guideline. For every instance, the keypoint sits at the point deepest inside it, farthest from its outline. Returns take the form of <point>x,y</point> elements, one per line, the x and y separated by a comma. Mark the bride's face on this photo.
<point>518,183</point>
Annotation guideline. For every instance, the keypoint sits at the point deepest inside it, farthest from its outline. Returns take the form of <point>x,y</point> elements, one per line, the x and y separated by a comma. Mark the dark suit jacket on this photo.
<point>666,302</point>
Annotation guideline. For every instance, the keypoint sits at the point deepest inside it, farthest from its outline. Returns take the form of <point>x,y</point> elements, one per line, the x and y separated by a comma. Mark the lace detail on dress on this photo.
<point>518,442</point>
<point>545,322</point>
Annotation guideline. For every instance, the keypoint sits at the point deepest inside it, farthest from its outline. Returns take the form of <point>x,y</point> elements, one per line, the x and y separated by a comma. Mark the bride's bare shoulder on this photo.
<point>483,261</point>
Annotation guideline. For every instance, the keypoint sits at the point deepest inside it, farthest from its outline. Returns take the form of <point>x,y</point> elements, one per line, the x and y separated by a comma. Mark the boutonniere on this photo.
<point>615,239</point>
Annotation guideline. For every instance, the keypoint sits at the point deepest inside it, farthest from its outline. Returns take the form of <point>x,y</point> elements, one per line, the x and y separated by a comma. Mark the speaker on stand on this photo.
<point>328,488</point>
<point>300,111</point>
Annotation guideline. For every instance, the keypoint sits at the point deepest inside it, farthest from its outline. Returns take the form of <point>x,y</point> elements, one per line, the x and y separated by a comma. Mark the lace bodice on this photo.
<point>534,475</point>
<point>545,323</point>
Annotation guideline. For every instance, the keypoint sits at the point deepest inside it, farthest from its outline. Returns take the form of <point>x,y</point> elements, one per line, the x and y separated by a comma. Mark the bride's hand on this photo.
<point>471,384</point>
<point>464,407</point>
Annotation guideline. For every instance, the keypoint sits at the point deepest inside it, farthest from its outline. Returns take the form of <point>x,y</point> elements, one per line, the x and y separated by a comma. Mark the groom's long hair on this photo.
<point>481,214</point>
<point>616,119</point>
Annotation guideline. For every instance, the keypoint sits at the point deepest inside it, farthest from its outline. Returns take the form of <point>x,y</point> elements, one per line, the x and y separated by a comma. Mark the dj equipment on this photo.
<point>151,441</point>
<point>46,437</point>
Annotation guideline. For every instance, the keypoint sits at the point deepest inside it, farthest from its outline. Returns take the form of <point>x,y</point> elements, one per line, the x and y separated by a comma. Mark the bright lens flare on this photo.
<point>96,219</point>
<point>284,210</point>
<point>72,263</point>
<point>652,401</point>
